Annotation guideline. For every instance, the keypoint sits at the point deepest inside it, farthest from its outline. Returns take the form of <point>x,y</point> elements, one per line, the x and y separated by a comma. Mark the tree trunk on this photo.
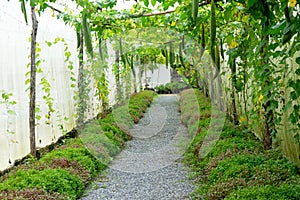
<point>32,103</point>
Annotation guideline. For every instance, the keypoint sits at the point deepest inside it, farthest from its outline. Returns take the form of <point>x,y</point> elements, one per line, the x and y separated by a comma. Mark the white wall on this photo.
<point>14,51</point>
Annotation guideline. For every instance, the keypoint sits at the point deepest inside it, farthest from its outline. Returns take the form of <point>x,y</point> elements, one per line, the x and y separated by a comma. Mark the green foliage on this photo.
<point>5,98</point>
<point>138,104</point>
<point>72,166</point>
<point>189,105</point>
<point>237,165</point>
<point>120,116</point>
<point>116,139</point>
<point>56,180</point>
<point>267,192</point>
<point>102,90</point>
<point>79,154</point>
<point>100,145</point>
<point>103,147</point>
<point>247,30</point>
<point>106,136</point>
<point>63,172</point>
<point>172,87</point>
<point>31,193</point>
<point>254,33</point>
<point>130,112</point>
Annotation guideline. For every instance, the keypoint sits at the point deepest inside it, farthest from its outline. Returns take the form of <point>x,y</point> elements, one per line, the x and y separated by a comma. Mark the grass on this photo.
<point>237,167</point>
<point>64,172</point>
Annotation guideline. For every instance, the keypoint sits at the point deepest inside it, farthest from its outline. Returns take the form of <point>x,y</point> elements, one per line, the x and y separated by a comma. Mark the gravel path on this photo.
<point>150,166</point>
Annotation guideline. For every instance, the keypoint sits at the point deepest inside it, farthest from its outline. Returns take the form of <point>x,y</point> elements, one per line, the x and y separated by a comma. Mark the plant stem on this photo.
<point>32,103</point>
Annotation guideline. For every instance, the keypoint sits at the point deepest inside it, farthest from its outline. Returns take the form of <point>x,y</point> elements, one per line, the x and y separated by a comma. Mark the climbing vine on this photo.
<point>253,46</point>
<point>6,100</point>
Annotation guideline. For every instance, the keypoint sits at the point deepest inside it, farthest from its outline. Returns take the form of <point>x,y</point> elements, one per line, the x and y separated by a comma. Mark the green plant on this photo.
<point>237,161</point>
<point>31,193</point>
<point>172,87</point>
<point>100,146</point>
<point>47,86</point>
<point>239,166</point>
<point>79,154</point>
<point>120,134</point>
<point>267,192</point>
<point>72,166</point>
<point>56,180</point>
<point>5,99</point>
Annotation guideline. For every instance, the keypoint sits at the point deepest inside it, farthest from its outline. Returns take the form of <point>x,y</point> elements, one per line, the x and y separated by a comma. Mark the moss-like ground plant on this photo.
<point>238,167</point>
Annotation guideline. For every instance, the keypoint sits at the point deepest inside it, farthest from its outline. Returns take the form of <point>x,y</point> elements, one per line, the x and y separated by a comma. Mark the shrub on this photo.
<point>162,89</point>
<point>170,88</point>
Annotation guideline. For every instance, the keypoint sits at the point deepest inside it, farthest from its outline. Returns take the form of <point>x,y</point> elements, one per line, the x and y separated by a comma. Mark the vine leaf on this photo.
<point>146,3</point>
<point>11,112</point>
<point>153,2</point>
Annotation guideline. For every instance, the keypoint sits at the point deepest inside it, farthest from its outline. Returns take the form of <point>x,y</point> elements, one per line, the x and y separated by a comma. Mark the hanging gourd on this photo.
<point>212,31</point>
<point>165,54</point>
<point>202,41</point>
<point>180,53</point>
<point>195,5</point>
<point>87,35</point>
<point>172,55</point>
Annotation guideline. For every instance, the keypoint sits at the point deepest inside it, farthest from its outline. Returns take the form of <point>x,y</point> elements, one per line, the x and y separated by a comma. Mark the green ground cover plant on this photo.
<point>171,88</point>
<point>238,167</point>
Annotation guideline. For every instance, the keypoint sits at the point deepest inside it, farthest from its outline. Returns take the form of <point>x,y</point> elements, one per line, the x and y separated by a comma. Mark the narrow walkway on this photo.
<point>150,167</point>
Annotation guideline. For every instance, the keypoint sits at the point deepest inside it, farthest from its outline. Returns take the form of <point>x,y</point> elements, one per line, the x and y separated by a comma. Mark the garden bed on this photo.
<point>64,172</point>
<point>238,167</point>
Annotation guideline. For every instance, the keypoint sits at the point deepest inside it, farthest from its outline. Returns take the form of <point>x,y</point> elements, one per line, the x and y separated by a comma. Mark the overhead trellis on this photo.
<point>243,39</point>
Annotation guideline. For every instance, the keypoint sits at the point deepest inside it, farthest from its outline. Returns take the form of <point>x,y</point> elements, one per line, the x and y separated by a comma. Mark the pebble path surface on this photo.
<point>150,166</point>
